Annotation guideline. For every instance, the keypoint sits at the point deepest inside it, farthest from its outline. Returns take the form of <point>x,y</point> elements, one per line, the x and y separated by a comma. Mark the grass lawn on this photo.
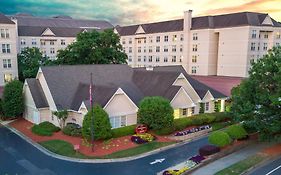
<point>242,166</point>
<point>66,149</point>
<point>138,150</point>
<point>62,148</point>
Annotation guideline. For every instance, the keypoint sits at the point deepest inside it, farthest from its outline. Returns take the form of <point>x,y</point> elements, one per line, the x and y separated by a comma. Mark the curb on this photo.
<point>57,156</point>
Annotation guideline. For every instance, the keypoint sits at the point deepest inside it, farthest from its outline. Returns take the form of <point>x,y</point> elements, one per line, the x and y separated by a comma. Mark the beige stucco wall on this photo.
<point>181,100</point>
<point>29,105</point>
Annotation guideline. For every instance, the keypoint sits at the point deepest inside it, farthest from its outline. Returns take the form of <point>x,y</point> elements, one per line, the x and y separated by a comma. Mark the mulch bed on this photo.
<point>101,148</point>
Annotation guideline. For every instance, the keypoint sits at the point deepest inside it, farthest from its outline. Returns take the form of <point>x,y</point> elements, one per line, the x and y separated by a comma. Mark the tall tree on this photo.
<point>93,48</point>
<point>29,61</point>
<point>257,100</point>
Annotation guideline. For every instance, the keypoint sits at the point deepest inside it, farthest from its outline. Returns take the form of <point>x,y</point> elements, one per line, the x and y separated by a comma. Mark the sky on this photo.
<point>126,12</point>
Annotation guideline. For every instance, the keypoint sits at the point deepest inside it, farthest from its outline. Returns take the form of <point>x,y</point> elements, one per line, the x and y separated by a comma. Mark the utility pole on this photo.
<point>92,112</point>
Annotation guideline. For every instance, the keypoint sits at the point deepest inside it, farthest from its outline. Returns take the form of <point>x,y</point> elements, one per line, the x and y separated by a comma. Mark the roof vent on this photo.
<point>63,17</point>
<point>149,68</point>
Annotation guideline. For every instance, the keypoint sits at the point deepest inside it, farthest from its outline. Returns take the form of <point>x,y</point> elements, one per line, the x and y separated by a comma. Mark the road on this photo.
<point>18,157</point>
<point>271,168</point>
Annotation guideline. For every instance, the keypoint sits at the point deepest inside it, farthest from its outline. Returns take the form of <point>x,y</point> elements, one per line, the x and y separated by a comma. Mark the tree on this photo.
<point>201,109</point>
<point>13,103</point>
<point>257,99</point>
<point>93,48</point>
<point>102,126</point>
<point>61,116</point>
<point>29,61</point>
<point>156,113</point>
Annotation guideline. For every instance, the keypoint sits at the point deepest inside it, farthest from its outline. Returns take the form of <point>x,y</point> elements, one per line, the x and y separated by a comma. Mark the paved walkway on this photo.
<point>224,162</point>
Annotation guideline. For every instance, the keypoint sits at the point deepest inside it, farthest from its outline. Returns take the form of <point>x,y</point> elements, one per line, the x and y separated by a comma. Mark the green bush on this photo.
<point>249,127</point>
<point>221,116</point>
<point>123,131</point>
<point>102,127</point>
<point>13,103</point>
<point>156,113</point>
<point>164,131</point>
<point>219,138</point>
<point>182,123</point>
<point>72,130</point>
<point>220,125</point>
<point>236,132</point>
<point>45,129</point>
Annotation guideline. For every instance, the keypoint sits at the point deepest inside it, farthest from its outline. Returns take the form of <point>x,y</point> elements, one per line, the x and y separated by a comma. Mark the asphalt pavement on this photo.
<point>270,168</point>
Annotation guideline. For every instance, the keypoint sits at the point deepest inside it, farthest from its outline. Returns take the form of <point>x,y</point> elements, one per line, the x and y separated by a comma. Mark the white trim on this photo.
<point>193,104</point>
<point>43,33</point>
<point>82,106</point>
<point>212,98</point>
<point>119,91</point>
<point>182,76</point>
<point>269,20</point>
<point>140,30</point>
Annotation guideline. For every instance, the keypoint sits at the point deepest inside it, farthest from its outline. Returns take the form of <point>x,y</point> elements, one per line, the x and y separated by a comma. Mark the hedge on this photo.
<point>219,138</point>
<point>72,130</point>
<point>123,131</point>
<point>45,129</point>
<point>236,132</point>
<point>164,131</point>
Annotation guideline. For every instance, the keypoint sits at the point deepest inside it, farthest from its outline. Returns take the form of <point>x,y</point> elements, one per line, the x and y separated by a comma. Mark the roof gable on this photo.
<point>48,32</point>
<point>267,21</point>
<point>182,100</point>
<point>140,30</point>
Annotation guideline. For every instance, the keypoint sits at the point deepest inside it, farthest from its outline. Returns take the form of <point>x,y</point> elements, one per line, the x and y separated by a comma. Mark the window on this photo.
<point>157,59</point>
<point>184,111</point>
<point>130,58</point>
<point>144,49</point>
<point>151,39</point>
<point>195,37</point>
<point>166,49</point>
<point>144,40</point>
<point>266,35</point>
<point>130,41</point>
<point>157,48</point>
<point>192,110</point>
<point>139,58</point>
<point>118,121</point>
<point>52,50</point>
<point>253,46</point>
<point>7,63</point>
<point>150,58</point>
<point>130,49</point>
<point>139,49</point>
<point>123,41</point>
<point>8,77</point>
<point>194,59</point>
<point>174,38</point>
<point>174,48</point>
<point>124,49</point>
<point>144,58</point>
<point>62,42</point>
<point>265,46</point>
<point>194,48</point>
<point>181,48</point>
<point>193,70</point>
<point>43,51</point>
<point>6,48</point>
<point>33,41</point>
<point>165,59</point>
<point>207,106</point>
<point>139,41</point>
<point>52,42</point>
<point>174,58</point>
<point>5,33</point>
<point>278,35</point>
<point>43,43</point>
<point>150,49</point>
<point>166,38</point>
<point>157,39</point>
<point>22,42</point>
<point>182,37</point>
<point>254,34</point>
<point>277,44</point>
<point>181,58</point>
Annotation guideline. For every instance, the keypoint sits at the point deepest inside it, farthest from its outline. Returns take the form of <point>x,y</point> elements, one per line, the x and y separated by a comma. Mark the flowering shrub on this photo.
<point>197,159</point>
<point>208,150</point>
<point>175,172</point>
<point>142,138</point>
<point>192,130</point>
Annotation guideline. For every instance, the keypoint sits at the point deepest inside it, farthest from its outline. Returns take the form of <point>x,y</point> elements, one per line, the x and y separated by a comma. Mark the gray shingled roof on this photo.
<point>61,26</point>
<point>204,22</point>
<point>37,93</point>
<point>5,20</point>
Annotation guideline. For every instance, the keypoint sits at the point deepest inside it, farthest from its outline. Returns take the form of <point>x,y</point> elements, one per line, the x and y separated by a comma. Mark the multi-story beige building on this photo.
<point>52,34</point>
<point>222,45</point>
<point>8,52</point>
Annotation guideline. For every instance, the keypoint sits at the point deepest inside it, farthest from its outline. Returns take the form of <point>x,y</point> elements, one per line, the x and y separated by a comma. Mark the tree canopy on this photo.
<point>156,112</point>
<point>257,100</point>
<point>29,61</point>
<point>93,48</point>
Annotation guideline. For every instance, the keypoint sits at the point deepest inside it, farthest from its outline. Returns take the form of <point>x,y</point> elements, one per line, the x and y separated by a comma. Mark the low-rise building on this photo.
<point>117,88</point>
<point>222,45</point>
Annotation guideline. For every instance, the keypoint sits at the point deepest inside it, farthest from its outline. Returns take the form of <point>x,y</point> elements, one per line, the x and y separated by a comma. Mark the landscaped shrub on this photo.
<point>142,138</point>
<point>208,150</point>
<point>222,116</point>
<point>182,123</point>
<point>101,124</point>
<point>236,132</point>
<point>156,113</point>
<point>45,129</point>
<point>72,129</point>
<point>249,127</point>
<point>192,130</point>
<point>217,126</point>
<point>123,131</point>
<point>219,138</point>
<point>164,131</point>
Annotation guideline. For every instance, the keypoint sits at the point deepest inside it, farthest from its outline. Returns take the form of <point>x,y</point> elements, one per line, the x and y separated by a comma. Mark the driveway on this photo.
<point>19,157</point>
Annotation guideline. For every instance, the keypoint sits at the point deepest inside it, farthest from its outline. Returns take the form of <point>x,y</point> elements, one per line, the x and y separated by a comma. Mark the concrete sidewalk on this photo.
<point>231,159</point>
